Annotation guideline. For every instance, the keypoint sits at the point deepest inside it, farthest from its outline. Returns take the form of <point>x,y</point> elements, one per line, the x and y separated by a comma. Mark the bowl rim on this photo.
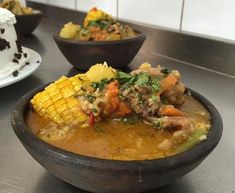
<point>196,153</point>
<point>141,36</point>
<point>35,13</point>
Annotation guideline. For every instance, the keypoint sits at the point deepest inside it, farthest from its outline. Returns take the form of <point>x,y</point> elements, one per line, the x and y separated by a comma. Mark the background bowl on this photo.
<point>111,176</point>
<point>83,54</point>
<point>27,23</point>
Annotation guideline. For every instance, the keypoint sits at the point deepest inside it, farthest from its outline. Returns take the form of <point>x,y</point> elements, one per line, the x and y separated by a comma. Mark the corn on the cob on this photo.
<point>58,101</point>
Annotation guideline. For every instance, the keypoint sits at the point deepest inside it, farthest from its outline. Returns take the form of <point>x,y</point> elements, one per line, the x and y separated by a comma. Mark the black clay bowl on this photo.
<point>27,23</point>
<point>110,176</point>
<point>83,54</point>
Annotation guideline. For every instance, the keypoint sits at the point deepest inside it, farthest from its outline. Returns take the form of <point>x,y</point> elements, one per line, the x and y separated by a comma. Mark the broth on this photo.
<point>114,139</point>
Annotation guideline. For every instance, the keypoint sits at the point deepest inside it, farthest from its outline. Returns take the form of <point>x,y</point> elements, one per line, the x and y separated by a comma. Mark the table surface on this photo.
<point>20,173</point>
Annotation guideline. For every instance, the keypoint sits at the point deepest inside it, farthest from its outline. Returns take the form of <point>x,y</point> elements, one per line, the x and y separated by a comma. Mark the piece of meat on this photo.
<point>141,102</point>
<point>175,96</point>
<point>151,71</point>
<point>170,123</point>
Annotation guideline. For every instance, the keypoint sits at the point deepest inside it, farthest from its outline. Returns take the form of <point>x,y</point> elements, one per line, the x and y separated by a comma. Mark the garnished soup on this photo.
<point>110,114</point>
<point>97,26</point>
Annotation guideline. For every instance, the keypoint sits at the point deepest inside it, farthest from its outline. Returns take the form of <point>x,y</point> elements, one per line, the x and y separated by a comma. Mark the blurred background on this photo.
<point>210,18</point>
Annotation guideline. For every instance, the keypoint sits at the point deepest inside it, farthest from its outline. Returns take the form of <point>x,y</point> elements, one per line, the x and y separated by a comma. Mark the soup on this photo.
<point>122,132</point>
<point>97,26</point>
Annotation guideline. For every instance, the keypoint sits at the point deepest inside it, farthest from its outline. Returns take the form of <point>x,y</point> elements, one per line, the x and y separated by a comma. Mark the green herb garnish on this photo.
<point>154,98</point>
<point>165,71</point>
<point>142,80</point>
<point>123,77</point>
<point>100,23</point>
<point>94,110</point>
<point>155,84</point>
<point>100,85</point>
<point>90,98</point>
<point>158,125</point>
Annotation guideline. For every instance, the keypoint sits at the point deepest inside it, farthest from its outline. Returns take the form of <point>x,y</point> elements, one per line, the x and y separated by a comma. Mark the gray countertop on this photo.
<point>20,173</point>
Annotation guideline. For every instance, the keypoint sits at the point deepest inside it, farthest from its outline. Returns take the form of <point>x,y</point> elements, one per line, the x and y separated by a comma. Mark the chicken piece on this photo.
<point>146,67</point>
<point>170,123</point>
<point>175,96</point>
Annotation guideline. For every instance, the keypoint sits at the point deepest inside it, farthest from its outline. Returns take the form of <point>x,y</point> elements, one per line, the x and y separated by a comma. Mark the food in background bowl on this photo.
<point>27,18</point>
<point>143,115</point>
<point>97,26</point>
<point>99,39</point>
<point>15,7</point>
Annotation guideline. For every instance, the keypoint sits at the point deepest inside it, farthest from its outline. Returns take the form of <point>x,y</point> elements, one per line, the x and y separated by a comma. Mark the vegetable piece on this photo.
<point>145,65</point>
<point>90,98</point>
<point>112,88</point>
<point>143,79</point>
<point>165,71</point>
<point>100,23</point>
<point>91,120</point>
<point>123,77</point>
<point>95,14</point>
<point>165,145</point>
<point>123,109</point>
<point>155,83</point>
<point>112,98</point>
<point>194,139</point>
<point>100,85</point>
<point>169,110</point>
<point>69,31</point>
<point>99,72</point>
<point>58,101</point>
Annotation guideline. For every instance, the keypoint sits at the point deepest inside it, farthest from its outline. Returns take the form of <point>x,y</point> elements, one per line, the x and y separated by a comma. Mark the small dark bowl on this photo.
<point>27,23</point>
<point>111,176</point>
<point>83,54</point>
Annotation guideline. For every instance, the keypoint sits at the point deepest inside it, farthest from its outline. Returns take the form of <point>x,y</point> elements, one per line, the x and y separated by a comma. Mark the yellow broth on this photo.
<point>112,139</point>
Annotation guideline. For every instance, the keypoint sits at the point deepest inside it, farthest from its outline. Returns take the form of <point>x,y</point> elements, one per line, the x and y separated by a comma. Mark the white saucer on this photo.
<point>34,62</point>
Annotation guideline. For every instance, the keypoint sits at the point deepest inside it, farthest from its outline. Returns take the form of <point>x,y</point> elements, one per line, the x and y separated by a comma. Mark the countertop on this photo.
<point>20,173</point>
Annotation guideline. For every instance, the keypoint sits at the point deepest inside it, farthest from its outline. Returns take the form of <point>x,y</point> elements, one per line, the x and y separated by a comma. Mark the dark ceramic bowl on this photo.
<point>111,176</point>
<point>83,54</point>
<point>26,24</point>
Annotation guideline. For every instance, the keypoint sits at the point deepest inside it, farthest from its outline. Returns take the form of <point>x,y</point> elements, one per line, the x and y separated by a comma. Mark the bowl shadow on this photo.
<point>49,183</point>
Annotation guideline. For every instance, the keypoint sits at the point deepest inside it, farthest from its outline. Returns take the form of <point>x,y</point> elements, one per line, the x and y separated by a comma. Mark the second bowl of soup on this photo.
<point>100,38</point>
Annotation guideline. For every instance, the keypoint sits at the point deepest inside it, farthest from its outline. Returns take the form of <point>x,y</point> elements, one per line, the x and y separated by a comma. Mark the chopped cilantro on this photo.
<point>94,110</point>
<point>156,84</point>
<point>143,79</point>
<point>100,23</point>
<point>90,98</point>
<point>123,77</point>
<point>84,32</point>
<point>157,125</point>
<point>165,71</point>
<point>100,85</point>
<point>154,98</point>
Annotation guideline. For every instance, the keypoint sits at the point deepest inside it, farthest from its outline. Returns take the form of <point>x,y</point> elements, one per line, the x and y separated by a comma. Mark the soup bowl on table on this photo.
<point>100,172</point>
<point>83,54</point>
<point>99,38</point>
<point>27,23</point>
